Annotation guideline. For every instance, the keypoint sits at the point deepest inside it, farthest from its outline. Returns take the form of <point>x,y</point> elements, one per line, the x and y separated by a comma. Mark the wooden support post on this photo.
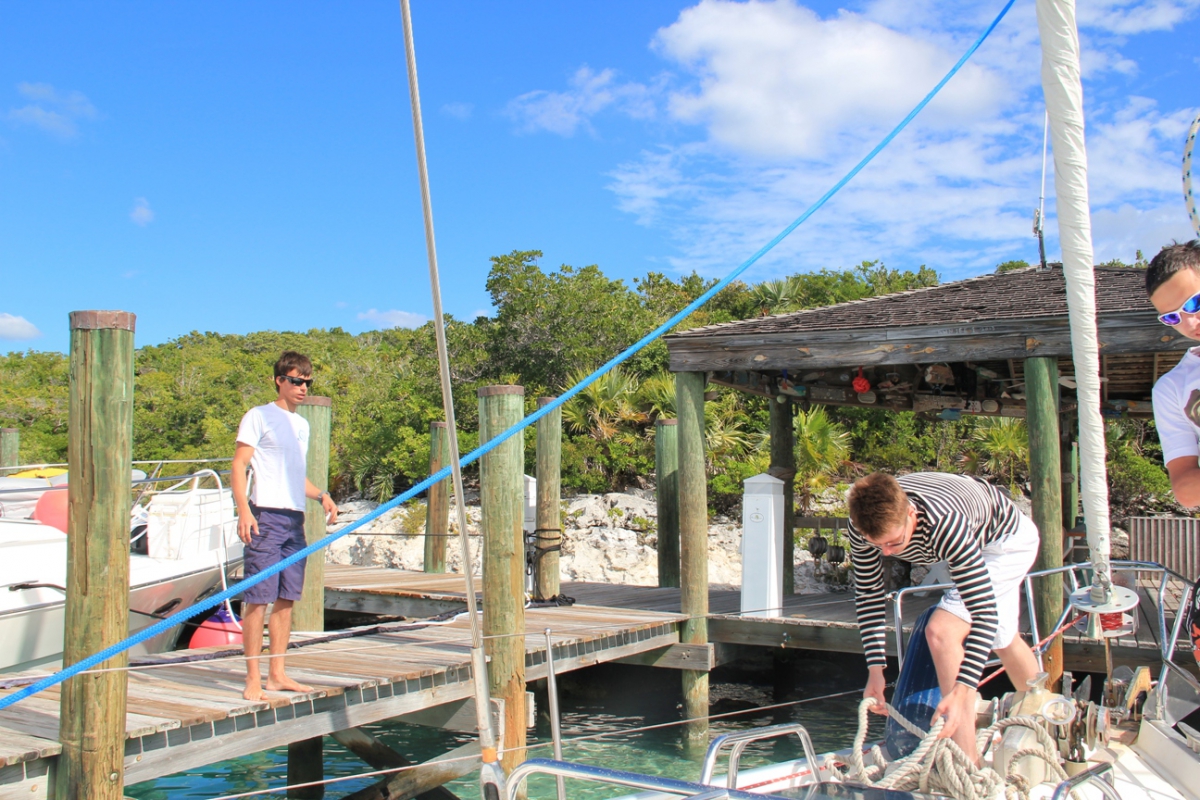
<point>1070,466</point>
<point>549,503</point>
<point>306,764</point>
<point>305,761</point>
<point>99,451</point>
<point>501,494</point>
<point>10,448</point>
<point>666,490</point>
<point>309,612</point>
<point>379,756</point>
<point>783,466</point>
<point>437,508</point>
<point>693,542</point>
<point>1045,477</point>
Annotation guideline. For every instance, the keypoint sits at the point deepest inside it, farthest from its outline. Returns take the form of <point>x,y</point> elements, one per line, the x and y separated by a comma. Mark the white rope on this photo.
<point>1189,194</point>
<point>939,766</point>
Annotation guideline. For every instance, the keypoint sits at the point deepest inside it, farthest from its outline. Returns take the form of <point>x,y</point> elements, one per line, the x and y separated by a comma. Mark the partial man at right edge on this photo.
<point>1173,284</point>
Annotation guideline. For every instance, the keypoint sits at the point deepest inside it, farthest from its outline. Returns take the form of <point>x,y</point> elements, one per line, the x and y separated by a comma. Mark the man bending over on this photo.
<point>272,442</point>
<point>989,546</point>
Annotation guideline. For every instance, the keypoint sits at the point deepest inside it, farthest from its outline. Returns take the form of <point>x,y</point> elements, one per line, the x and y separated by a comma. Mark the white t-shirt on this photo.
<point>1177,409</point>
<point>280,441</point>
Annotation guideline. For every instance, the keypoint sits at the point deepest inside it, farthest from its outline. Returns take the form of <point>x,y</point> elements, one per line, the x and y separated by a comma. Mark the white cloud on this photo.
<point>590,93</point>
<point>141,214</point>
<point>54,112</point>
<point>1126,17</point>
<point>788,101</point>
<point>14,327</point>
<point>461,111</point>
<point>393,318</point>
<point>775,79</point>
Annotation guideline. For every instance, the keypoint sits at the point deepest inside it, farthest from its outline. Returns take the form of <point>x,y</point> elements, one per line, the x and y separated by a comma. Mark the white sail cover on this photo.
<point>1064,104</point>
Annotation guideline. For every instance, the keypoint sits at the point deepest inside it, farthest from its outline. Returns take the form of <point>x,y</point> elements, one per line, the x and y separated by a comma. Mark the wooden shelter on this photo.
<point>982,329</point>
<point>995,345</point>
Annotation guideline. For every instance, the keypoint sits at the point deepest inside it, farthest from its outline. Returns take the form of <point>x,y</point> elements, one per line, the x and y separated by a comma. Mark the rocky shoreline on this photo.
<point>608,538</point>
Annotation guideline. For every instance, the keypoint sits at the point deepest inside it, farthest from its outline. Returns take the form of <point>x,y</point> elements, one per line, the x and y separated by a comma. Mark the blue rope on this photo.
<point>180,617</point>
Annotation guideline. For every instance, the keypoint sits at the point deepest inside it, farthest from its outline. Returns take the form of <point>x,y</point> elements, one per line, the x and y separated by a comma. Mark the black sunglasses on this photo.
<point>297,381</point>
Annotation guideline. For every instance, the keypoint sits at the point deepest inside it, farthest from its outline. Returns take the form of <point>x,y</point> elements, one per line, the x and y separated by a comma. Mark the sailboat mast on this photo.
<point>1064,105</point>
<point>492,777</point>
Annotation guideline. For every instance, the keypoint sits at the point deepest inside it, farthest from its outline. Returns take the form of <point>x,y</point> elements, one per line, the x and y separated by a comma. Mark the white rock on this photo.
<point>608,538</point>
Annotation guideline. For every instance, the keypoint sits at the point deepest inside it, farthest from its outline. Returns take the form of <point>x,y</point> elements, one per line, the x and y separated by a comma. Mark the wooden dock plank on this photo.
<point>186,715</point>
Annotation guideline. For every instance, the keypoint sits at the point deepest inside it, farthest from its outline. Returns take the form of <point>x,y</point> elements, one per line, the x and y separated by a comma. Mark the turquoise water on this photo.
<point>603,700</point>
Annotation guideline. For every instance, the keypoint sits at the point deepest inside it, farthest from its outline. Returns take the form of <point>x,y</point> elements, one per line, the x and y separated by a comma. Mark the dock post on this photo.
<point>501,497</point>
<point>1045,478</point>
<point>1070,466</point>
<point>10,448</point>
<point>99,451</point>
<point>666,492</point>
<point>549,503</point>
<point>437,507</point>
<point>309,612</point>
<point>783,466</point>
<point>305,761</point>
<point>693,543</point>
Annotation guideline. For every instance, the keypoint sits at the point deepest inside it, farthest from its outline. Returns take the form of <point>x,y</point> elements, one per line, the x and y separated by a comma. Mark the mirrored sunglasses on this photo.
<point>1192,306</point>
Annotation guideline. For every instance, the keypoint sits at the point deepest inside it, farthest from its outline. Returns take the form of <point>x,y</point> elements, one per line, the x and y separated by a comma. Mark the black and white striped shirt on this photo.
<point>957,517</point>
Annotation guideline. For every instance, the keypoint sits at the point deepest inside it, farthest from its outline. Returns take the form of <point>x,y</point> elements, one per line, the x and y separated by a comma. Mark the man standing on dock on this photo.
<point>272,443</point>
<point>989,546</point>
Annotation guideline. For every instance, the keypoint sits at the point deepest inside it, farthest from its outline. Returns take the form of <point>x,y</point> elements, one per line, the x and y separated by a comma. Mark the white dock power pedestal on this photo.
<point>762,547</point>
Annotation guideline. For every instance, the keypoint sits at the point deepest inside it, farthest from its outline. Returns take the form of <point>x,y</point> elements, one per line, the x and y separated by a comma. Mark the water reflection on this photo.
<point>609,699</point>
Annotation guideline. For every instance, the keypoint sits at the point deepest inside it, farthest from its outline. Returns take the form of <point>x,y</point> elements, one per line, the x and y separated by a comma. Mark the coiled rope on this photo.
<point>1189,193</point>
<point>939,766</point>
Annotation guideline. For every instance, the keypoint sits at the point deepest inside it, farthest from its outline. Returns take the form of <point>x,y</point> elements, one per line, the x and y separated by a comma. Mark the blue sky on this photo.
<point>237,167</point>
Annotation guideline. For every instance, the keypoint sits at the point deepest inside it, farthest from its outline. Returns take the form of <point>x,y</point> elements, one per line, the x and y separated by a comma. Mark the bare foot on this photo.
<point>286,684</point>
<point>253,691</point>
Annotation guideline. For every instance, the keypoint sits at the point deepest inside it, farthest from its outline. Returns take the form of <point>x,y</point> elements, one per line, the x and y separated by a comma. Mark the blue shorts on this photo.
<point>280,533</point>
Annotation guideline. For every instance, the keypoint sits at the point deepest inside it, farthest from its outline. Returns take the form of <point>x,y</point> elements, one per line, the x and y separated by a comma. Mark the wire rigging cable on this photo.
<point>1189,191</point>
<point>487,738</point>
<point>182,616</point>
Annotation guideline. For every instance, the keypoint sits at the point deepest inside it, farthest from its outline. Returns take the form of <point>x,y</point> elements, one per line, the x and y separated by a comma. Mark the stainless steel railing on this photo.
<point>737,742</point>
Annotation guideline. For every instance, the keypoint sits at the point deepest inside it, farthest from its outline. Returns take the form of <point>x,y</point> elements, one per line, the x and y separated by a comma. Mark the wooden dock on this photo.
<point>187,715</point>
<point>181,716</point>
<point>810,622</point>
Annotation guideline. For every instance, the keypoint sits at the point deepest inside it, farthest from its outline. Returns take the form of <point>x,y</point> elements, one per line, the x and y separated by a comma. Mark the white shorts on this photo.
<point>1008,562</point>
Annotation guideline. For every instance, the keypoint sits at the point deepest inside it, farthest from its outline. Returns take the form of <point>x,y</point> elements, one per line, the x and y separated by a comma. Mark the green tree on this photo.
<point>822,452</point>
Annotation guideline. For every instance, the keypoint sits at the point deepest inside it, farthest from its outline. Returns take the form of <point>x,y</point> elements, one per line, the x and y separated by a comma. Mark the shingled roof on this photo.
<point>1024,294</point>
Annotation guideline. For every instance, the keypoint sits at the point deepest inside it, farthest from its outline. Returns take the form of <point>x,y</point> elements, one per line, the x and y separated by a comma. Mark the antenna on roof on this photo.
<point>1039,214</point>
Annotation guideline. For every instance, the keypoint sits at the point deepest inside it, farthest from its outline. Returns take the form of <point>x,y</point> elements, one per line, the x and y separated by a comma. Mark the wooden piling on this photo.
<point>99,451</point>
<point>666,491</point>
<point>1045,478</point>
<point>1070,466</point>
<point>783,466</point>
<point>306,763</point>
<point>309,612</point>
<point>693,542</point>
<point>10,448</point>
<point>549,503</point>
<point>501,492</point>
<point>437,509</point>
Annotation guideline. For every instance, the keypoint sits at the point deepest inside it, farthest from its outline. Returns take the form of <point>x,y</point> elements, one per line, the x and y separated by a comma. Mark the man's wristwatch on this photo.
<point>321,496</point>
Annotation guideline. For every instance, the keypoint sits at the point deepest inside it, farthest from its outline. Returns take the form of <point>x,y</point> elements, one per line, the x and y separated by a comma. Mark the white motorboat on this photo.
<point>188,542</point>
